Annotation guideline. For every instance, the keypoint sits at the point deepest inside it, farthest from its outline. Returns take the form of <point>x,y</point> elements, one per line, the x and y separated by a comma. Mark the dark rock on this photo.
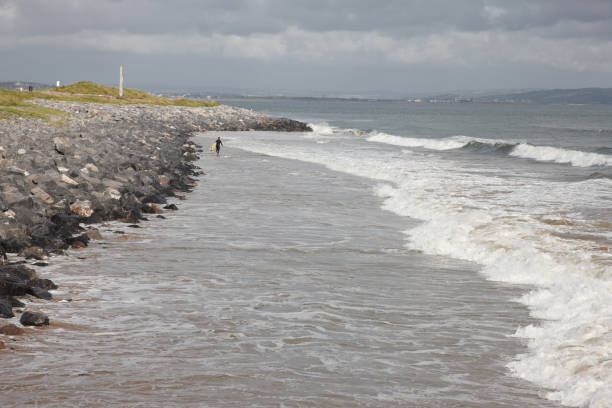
<point>11,330</point>
<point>42,283</point>
<point>170,207</point>
<point>6,309</point>
<point>83,238</point>
<point>41,264</point>
<point>16,302</point>
<point>34,319</point>
<point>18,271</point>
<point>10,287</point>
<point>39,293</point>
<point>133,226</point>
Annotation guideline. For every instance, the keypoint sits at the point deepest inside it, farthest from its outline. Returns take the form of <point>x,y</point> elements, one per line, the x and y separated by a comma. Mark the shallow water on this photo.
<point>278,283</point>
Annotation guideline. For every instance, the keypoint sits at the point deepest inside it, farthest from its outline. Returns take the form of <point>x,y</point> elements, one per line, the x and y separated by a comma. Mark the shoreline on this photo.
<point>97,163</point>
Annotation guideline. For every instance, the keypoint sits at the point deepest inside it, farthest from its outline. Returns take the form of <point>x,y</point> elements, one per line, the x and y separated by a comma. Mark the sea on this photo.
<point>400,255</point>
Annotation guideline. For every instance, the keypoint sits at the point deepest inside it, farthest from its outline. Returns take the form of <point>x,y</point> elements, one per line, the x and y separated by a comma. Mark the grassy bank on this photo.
<point>15,103</point>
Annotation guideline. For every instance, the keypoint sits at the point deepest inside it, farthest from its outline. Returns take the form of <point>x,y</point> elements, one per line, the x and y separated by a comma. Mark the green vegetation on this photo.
<point>86,91</point>
<point>13,103</point>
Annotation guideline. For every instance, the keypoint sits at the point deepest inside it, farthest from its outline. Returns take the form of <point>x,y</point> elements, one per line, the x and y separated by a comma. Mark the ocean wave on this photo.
<point>489,146</point>
<point>599,175</point>
<point>433,144</point>
<point>523,150</point>
<point>559,155</point>
<point>325,130</point>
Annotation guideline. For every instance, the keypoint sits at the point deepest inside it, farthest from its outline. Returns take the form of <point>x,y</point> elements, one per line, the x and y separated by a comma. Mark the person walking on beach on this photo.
<point>218,144</point>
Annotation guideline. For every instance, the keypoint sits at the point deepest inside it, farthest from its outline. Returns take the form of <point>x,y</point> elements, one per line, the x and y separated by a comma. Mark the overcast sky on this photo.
<point>311,47</point>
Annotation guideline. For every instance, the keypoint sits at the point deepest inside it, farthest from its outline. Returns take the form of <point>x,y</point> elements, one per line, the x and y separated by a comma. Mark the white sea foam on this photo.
<point>324,130</point>
<point>434,144</point>
<point>496,222</point>
<point>321,129</point>
<point>558,155</point>
<point>523,150</point>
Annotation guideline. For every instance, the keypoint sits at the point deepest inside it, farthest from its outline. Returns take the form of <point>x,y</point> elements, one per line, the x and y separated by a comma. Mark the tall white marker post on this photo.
<point>121,81</point>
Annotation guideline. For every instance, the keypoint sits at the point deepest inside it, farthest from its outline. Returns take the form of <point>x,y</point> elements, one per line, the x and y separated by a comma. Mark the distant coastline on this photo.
<point>574,96</point>
<point>579,96</point>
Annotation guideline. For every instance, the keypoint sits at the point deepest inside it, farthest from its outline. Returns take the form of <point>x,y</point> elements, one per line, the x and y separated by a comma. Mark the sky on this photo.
<point>310,47</point>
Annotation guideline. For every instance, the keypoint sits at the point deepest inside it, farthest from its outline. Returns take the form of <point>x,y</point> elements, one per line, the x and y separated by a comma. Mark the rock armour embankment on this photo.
<point>100,162</point>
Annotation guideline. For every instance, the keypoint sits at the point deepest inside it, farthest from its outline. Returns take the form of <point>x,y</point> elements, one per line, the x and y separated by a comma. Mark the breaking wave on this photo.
<point>523,150</point>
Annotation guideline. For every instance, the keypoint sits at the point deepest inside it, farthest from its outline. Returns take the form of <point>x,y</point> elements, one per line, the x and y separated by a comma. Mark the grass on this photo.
<point>86,91</point>
<point>13,103</point>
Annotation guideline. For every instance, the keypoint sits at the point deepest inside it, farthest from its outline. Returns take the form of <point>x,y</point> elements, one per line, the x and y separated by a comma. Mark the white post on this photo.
<point>120,81</point>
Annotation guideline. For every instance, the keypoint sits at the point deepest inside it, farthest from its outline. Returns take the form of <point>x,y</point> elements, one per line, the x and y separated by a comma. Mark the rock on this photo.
<point>92,167</point>
<point>11,287</point>
<point>43,195</point>
<point>93,233</point>
<point>39,293</point>
<point>33,253</point>
<point>68,180</point>
<point>34,319</point>
<point>18,271</point>
<point>113,194</point>
<point>3,204</point>
<point>16,302</point>
<point>163,179</point>
<point>62,145</point>
<point>17,170</point>
<point>171,207</point>
<point>11,330</point>
<point>42,283</point>
<point>78,244</point>
<point>6,309</point>
<point>2,345</point>
<point>82,208</point>
<point>151,208</point>
<point>83,238</point>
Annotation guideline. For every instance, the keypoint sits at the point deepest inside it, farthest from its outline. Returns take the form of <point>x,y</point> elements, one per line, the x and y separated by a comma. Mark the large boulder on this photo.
<point>30,318</point>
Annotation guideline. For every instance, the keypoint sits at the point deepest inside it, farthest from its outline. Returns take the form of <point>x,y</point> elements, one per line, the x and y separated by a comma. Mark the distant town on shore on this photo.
<point>579,96</point>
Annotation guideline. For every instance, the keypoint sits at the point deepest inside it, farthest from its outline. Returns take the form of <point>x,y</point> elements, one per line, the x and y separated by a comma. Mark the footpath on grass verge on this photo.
<point>85,163</point>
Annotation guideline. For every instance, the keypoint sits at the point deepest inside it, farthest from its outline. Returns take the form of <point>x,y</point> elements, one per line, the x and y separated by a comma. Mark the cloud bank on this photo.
<point>574,37</point>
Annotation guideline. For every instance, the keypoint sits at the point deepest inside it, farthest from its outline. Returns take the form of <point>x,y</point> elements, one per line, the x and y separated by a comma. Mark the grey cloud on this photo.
<point>241,17</point>
<point>427,41</point>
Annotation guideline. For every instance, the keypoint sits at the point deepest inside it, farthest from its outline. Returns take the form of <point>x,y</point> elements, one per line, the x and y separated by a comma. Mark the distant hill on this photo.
<point>565,96</point>
<point>23,84</point>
